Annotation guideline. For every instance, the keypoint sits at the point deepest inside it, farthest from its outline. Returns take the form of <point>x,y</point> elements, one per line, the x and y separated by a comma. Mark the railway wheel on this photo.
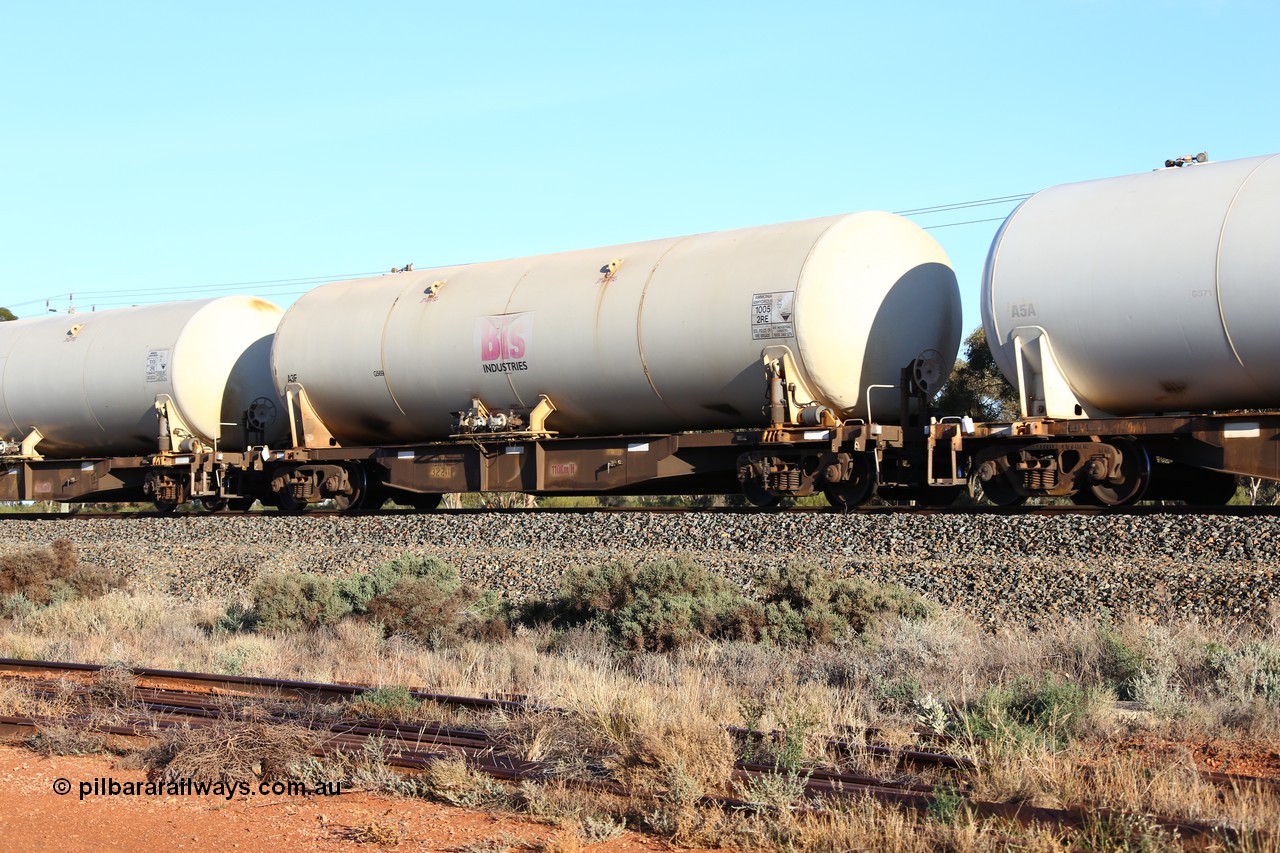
<point>855,491</point>
<point>213,504</point>
<point>355,498</point>
<point>758,496</point>
<point>1128,484</point>
<point>165,506</point>
<point>241,504</point>
<point>288,504</point>
<point>375,496</point>
<point>995,486</point>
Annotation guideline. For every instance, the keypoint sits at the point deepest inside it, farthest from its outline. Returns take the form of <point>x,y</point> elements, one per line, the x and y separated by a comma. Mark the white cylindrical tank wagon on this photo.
<point>664,335</point>
<point>89,383</point>
<point>1157,292</point>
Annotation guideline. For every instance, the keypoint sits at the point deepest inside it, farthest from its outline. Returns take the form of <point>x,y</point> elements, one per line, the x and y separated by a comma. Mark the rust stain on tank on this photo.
<point>262,305</point>
<point>1173,387</point>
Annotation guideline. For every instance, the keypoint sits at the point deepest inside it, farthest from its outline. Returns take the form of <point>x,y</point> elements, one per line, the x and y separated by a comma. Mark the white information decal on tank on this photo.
<point>772,315</point>
<point>503,342</point>
<point>157,365</point>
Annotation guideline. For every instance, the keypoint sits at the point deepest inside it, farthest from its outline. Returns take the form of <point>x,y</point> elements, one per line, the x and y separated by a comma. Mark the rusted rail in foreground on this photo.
<point>240,685</point>
<point>173,700</point>
<point>417,755</point>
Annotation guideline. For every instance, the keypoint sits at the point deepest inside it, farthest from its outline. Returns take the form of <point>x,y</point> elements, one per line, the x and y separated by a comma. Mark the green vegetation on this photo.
<point>39,577</point>
<point>419,597</point>
<point>1028,710</point>
<point>646,663</point>
<point>665,604</point>
<point>977,387</point>
<point>656,606</point>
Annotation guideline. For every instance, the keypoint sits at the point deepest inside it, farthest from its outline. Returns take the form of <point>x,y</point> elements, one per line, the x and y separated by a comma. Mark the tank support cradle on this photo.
<point>172,432</point>
<point>305,427</point>
<point>1043,391</point>
<point>480,420</point>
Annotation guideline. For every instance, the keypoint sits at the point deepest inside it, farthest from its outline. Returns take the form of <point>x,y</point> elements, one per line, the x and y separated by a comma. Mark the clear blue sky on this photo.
<point>162,151</point>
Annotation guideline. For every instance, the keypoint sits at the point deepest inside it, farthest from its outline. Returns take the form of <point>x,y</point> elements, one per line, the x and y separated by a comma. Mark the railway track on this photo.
<point>1138,511</point>
<point>163,701</point>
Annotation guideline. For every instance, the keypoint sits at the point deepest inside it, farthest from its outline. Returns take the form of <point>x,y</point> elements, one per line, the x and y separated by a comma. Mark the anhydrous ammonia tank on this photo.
<point>89,382</point>
<point>657,336</point>
<point>1159,292</point>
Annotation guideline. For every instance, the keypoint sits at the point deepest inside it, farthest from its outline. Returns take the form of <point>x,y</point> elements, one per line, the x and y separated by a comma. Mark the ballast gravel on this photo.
<point>998,568</point>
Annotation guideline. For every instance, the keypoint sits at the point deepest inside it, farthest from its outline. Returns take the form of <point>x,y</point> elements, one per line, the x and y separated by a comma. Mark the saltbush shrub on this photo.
<point>654,606</point>
<point>1048,708</point>
<point>1249,670</point>
<point>664,604</point>
<point>37,577</point>
<point>419,597</point>
<point>296,601</point>
<point>359,590</point>
<point>657,605</point>
<point>809,603</point>
<point>440,611</point>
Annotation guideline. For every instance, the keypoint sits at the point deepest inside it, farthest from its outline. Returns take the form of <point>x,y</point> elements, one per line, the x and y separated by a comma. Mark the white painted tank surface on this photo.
<point>657,336</point>
<point>89,381</point>
<point>1160,292</point>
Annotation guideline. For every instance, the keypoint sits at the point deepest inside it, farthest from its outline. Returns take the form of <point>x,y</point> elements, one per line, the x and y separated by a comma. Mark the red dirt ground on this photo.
<point>1220,756</point>
<point>34,818</point>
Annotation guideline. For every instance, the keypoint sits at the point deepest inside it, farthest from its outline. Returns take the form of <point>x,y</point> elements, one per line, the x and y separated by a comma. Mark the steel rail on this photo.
<point>1072,510</point>
<point>177,698</point>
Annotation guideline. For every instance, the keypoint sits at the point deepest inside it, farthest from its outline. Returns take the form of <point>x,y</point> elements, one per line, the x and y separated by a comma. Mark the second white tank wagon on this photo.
<point>665,335</point>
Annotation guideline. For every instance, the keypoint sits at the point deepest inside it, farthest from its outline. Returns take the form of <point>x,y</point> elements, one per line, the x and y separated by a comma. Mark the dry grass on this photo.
<point>452,781</point>
<point>235,751</point>
<point>653,720</point>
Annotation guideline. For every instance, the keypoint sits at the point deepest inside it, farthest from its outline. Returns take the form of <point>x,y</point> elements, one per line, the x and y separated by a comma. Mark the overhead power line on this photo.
<point>962,205</point>
<point>966,222</point>
<point>144,293</point>
<point>281,287</point>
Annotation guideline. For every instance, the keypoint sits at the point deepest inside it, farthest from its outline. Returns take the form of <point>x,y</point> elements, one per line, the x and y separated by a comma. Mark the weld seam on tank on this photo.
<point>511,298</point>
<point>798,353</point>
<point>382,349</point>
<point>989,270</point>
<point>84,388</point>
<point>10,420</point>
<point>644,292</point>
<point>1217,261</point>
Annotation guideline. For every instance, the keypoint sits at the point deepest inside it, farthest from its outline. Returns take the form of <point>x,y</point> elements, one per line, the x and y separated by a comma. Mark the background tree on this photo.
<point>977,387</point>
<point>6,314</point>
